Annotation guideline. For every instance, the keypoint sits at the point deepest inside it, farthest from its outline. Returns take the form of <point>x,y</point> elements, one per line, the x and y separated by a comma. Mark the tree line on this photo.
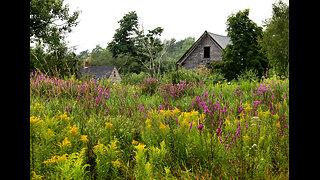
<point>135,50</point>
<point>126,64</point>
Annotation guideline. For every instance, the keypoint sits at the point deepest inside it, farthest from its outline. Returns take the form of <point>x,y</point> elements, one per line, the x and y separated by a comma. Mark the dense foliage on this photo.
<point>50,21</point>
<point>244,52</point>
<point>87,129</point>
<point>275,40</point>
<point>103,57</point>
<point>142,49</point>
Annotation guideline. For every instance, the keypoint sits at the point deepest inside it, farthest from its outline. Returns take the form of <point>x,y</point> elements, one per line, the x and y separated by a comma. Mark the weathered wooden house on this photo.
<point>100,72</point>
<point>206,49</point>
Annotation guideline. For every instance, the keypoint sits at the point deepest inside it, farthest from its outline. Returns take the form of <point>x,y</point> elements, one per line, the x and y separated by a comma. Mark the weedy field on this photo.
<point>158,130</point>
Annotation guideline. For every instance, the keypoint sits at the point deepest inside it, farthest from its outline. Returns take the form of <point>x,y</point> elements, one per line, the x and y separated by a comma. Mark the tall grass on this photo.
<point>87,129</point>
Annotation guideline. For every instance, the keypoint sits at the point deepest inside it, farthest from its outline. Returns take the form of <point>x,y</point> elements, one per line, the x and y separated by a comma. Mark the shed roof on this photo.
<point>98,71</point>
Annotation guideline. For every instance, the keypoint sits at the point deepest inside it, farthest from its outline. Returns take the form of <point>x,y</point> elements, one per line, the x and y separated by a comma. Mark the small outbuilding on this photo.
<point>206,49</point>
<point>100,72</point>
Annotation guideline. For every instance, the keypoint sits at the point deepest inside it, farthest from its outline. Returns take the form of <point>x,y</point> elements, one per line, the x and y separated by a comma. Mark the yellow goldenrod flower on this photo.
<point>35,120</point>
<point>185,123</point>
<point>194,113</point>
<point>162,126</point>
<point>227,121</point>
<point>134,142</point>
<point>188,114</point>
<point>84,138</point>
<point>140,146</point>
<point>113,144</point>
<point>276,116</point>
<point>56,159</point>
<point>247,108</point>
<point>266,113</point>
<point>116,163</point>
<point>246,137</point>
<point>99,147</point>
<point>278,124</point>
<point>202,116</point>
<point>90,121</point>
<point>246,104</point>
<point>73,129</point>
<point>109,125</point>
<point>261,139</point>
<point>48,134</point>
<point>35,176</point>
<point>38,106</point>
<point>175,111</point>
<point>148,122</point>
<point>167,112</point>
<point>64,116</point>
<point>64,143</point>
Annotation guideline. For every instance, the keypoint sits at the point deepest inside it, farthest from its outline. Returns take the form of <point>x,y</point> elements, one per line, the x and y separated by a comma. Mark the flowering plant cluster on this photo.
<point>87,129</point>
<point>149,86</point>
<point>175,91</point>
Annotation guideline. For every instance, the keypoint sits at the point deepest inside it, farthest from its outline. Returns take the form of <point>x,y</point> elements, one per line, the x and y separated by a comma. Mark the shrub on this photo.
<point>149,86</point>
<point>248,75</point>
<point>133,78</point>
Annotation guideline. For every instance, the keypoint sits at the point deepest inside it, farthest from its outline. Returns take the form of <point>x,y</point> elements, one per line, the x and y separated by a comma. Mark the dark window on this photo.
<point>114,74</point>
<point>206,53</point>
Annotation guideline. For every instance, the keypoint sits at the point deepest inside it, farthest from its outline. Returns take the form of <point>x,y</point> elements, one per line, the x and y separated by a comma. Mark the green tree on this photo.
<point>275,40</point>
<point>50,20</point>
<point>244,52</point>
<point>140,49</point>
<point>174,52</point>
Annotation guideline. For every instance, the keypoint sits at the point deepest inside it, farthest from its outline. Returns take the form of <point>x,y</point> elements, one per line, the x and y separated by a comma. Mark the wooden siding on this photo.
<point>196,58</point>
<point>115,76</point>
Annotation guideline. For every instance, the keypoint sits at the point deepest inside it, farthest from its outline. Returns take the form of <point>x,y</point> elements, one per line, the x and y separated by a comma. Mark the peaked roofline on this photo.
<point>192,48</point>
<point>100,71</point>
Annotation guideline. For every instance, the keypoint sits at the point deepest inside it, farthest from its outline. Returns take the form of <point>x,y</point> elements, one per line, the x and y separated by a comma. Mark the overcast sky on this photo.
<point>179,18</point>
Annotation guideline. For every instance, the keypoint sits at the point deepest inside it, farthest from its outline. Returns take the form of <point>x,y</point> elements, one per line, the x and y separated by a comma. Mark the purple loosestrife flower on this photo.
<point>284,96</point>
<point>229,146</point>
<point>220,139</point>
<point>226,138</point>
<point>205,95</point>
<point>190,126</point>
<point>178,122</point>
<point>108,109</point>
<point>200,126</point>
<point>67,109</point>
<point>238,129</point>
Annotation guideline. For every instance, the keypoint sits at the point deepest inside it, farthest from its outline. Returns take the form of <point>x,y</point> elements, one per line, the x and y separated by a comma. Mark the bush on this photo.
<point>217,76</point>
<point>149,86</point>
<point>200,74</point>
<point>248,75</point>
<point>133,78</point>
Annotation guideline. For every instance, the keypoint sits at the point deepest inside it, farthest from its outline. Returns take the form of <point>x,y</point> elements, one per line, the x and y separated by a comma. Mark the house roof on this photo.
<point>221,41</point>
<point>98,71</point>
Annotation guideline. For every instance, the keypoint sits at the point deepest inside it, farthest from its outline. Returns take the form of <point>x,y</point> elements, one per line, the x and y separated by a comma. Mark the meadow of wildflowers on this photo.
<point>87,129</point>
